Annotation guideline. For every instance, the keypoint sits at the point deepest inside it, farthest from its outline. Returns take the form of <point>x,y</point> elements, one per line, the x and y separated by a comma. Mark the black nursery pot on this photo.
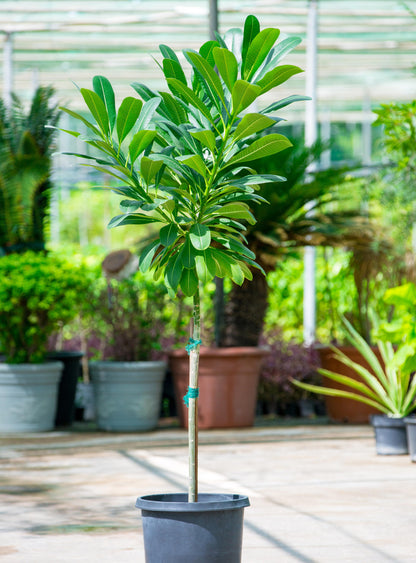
<point>65,410</point>
<point>390,435</point>
<point>207,531</point>
<point>410,422</point>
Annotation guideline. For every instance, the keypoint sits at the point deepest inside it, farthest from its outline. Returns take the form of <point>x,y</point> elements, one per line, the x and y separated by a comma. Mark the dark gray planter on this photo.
<point>71,372</point>
<point>410,422</point>
<point>390,434</point>
<point>207,531</point>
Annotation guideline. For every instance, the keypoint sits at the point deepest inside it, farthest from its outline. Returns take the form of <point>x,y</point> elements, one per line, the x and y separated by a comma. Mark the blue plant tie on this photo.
<point>192,393</point>
<point>192,344</point>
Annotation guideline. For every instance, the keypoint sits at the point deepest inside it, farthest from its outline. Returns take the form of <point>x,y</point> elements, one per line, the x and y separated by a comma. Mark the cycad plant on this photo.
<point>26,144</point>
<point>181,157</point>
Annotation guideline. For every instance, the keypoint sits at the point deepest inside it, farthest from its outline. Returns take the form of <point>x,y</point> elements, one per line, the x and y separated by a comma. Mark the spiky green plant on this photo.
<point>182,158</point>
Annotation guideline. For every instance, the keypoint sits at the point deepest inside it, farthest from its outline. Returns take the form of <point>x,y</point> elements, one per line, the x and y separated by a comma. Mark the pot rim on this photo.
<point>178,502</point>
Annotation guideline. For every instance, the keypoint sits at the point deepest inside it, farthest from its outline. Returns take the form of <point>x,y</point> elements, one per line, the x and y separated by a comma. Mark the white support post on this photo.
<point>311,134</point>
<point>8,70</point>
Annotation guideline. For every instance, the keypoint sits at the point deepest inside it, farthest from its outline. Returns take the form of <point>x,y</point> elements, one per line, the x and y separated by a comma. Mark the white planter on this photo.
<point>127,394</point>
<point>28,396</point>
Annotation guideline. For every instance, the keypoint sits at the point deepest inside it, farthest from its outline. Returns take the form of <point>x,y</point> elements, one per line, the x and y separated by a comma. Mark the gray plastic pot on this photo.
<point>410,422</point>
<point>390,434</point>
<point>207,531</point>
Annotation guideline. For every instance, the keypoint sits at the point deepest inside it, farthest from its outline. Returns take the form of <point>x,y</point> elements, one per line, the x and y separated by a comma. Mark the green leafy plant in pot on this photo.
<point>182,157</point>
<point>385,384</point>
<point>38,293</point>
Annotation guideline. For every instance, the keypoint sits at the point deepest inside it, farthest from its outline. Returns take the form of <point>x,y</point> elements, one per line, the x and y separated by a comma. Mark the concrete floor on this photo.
<point>319,493</point>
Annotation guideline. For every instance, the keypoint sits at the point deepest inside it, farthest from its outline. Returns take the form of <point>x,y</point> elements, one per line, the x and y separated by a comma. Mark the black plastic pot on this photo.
<point>390,434</point>
<point>410,422</point>
<point>178,531</point>
<point>65,410</point>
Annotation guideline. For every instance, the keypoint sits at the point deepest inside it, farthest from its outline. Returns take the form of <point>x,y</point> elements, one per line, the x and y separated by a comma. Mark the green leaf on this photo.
<point>207,49</point>
<point>258,50</point>
<point>189,282</point>
<point>97,109</point>
<point>277,76</point>
<point>200,236</point>
<point>277,53</point>
<point>127,116</point>
<point>222,263</point>
<point>188,253</point>
<point>208,73</point>
<point>206,138</point>
<point>243,95</point>
<point>237,274</point>
<point>250,124</point>
<point>149,168</point>
<point>227,66</point>
<point>285,102</point>
<point>140,142</point>
<point>128,205</point>
<point>173,69</point>
<point>174,270</point>
<point>196,163</point>
<point>174,109</point>
<point>265,146</point>
<point>168,53</point>
<point>178,88</point>
<point>169,234</point>
<point>103,88</point>
<point>236,211</point>
<point>131,219</point>
<point>83,120</point>
<point>147,254</point>
<point>251,29</point>
<point>204,272</point>
<point>148,110</point>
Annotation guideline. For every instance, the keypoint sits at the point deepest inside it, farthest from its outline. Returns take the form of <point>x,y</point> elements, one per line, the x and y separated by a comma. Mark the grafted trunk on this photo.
<point>245,310</point>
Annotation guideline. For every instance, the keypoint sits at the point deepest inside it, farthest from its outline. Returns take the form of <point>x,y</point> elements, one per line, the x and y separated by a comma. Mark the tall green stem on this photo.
<point>193,403</point>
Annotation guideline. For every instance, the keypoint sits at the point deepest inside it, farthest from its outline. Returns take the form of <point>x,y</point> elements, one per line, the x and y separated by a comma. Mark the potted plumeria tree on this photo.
<point>185,160</point>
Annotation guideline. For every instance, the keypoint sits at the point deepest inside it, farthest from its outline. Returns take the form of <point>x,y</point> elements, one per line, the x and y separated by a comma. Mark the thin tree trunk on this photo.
<point>245,311</point>
<point>193,401</point>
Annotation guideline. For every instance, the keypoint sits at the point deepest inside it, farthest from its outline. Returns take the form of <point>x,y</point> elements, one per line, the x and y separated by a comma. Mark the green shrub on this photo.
<point>38,293</point>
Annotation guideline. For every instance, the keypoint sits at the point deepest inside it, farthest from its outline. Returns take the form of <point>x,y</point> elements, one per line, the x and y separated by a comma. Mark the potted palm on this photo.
<point>183,157</point>
<point>38,292</point>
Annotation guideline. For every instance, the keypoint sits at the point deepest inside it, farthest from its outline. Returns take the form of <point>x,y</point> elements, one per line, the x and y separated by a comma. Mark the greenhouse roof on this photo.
<point>367,48</point>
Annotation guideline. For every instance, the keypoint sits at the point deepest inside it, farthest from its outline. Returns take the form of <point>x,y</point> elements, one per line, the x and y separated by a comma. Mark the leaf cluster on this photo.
<point>184,157</point>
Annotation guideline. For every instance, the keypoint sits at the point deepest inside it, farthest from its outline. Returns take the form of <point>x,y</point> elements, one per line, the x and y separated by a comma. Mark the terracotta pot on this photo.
<point>228,381</point>
<point>340,409</point>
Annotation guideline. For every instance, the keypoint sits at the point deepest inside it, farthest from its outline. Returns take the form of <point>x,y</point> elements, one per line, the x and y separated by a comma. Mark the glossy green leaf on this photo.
<point>82,119</point>
<point>258,50</point>
<point>277,76</point>
<point>103,88</point>
<point>173,69</point>
<point>174,270</point>
<point>188,253</point>
<point>236,211</point>
<point>207,49</point>
<point>128,205</point>
<point>196,163</point>
<point>97,109</point>
<point>227,66</point>
<point>140,142</point>
<point>168,53</point>
<point>169,234</point>
<point>243,95</point>
<point>147,255</point>
<point>208,73</point>
<point>174,109</point>
<point>206,138</point>
<point>189,282</point>
<point>237,274</point>
<point>251,29</point>
<point>265,146</point>
<point>189,96</point>
<point>131,219</point>
<point>148,110</point>
<point>127,116</point>
<point>204,272</point>
<point>275,106</point>
<point>250,124</point>
<point>222,263</point>
<point>149,168</point>
<point>200,236</point>
<point>277,53</point>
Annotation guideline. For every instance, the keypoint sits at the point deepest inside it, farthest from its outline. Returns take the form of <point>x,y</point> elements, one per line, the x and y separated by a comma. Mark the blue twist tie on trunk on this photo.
<point>192,344</point>
<point>192,393</point>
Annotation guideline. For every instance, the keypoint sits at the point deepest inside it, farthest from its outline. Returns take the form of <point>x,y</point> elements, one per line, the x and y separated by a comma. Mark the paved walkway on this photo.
<point>319,493</point>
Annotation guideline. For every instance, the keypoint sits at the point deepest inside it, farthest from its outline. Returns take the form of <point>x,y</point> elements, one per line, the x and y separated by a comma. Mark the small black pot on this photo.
<point>207,531</point>
<point>65,410</point>
<point>390,435</point>
<point>410,422</point>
